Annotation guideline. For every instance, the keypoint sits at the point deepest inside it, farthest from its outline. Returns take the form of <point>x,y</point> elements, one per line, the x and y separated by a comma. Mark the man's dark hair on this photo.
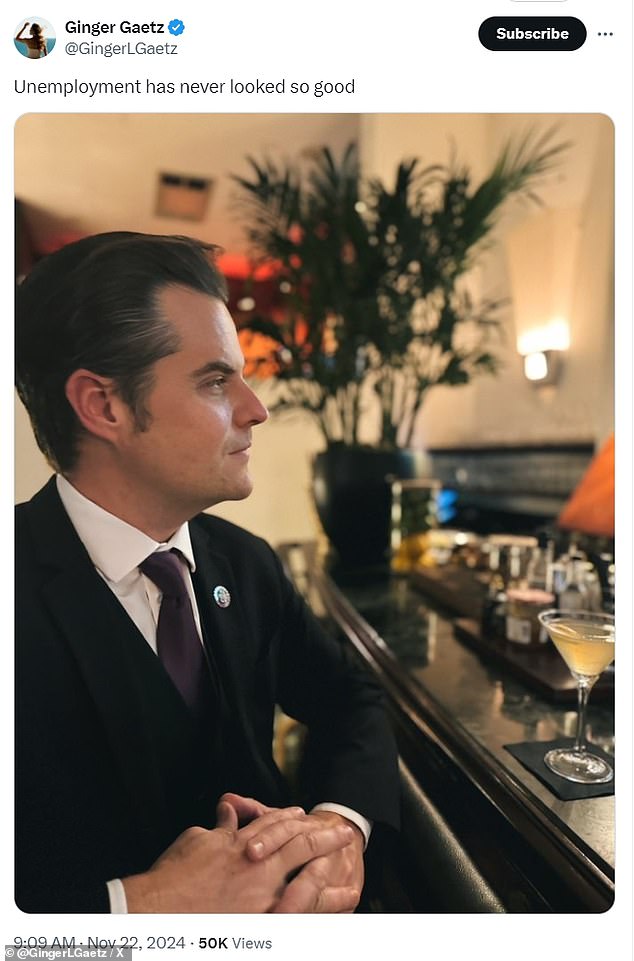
<point>92,304</point>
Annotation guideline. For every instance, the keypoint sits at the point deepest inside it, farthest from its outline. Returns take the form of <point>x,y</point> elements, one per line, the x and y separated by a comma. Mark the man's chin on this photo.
<point>234,490</point>
<point>239,490</point>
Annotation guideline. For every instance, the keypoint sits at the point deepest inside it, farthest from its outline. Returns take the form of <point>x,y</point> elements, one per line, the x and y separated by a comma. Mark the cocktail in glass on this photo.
<point>585,640</point>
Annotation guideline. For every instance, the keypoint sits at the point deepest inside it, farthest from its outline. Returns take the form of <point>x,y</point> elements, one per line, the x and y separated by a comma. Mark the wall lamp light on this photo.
<point>542,367</point>
<point>542,350</point>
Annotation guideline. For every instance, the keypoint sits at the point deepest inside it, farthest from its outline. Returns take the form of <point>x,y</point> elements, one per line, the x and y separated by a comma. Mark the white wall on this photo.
<point>87,173</point>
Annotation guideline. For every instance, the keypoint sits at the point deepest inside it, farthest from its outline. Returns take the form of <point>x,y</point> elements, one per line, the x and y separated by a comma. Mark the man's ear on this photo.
<point>97,404</point>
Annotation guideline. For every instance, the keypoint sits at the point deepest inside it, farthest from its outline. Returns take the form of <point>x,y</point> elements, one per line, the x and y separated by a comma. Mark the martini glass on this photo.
<point>585,640</point>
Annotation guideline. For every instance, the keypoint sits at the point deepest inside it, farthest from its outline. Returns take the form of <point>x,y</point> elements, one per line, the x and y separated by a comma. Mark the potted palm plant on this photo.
<point>373,308</point>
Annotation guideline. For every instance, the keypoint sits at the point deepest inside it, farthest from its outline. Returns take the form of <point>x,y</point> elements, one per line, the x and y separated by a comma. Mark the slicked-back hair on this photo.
<point>93,305</point>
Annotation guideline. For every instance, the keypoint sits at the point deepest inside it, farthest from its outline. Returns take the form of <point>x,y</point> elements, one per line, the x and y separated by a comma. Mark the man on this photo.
<point>144,776</point>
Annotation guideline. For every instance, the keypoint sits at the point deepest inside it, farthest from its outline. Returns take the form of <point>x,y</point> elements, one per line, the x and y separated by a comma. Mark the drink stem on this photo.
<point>584,687</point>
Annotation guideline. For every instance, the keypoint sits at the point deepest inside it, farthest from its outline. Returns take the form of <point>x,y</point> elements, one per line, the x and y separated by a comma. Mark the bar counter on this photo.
<point>453,712</point>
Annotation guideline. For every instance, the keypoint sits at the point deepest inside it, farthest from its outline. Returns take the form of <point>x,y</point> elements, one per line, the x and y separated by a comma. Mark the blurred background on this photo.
<point>551,264</point>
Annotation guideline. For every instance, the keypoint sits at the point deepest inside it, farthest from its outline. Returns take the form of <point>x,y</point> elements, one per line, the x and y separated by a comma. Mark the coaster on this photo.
<point>531,755</point>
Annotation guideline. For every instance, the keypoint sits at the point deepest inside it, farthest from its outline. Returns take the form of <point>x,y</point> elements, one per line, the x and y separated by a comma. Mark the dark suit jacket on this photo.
<point>109,766</point>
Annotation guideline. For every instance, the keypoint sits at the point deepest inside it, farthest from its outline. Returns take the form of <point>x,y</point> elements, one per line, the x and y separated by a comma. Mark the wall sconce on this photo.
<point>542,350</point>
<point>542,367</point>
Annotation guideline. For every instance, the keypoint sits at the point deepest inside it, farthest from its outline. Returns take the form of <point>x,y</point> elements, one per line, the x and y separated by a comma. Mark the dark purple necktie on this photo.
<point>177,640</point>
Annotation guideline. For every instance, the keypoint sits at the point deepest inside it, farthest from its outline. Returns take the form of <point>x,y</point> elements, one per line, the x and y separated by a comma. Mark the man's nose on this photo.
<point>251,410</point>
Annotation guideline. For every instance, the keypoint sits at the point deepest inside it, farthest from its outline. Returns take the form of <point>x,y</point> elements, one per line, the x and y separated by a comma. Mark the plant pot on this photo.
<point>353,498</point>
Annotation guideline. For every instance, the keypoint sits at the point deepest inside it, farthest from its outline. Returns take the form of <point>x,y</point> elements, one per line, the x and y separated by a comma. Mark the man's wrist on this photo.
<point>140,894</point>
<point>357,820</point>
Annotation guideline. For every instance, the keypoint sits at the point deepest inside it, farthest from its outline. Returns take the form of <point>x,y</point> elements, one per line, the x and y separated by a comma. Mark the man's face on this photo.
<point>195,450</point>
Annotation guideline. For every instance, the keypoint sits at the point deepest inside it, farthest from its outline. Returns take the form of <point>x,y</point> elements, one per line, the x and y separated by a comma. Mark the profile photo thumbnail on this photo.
<point>34,38</point>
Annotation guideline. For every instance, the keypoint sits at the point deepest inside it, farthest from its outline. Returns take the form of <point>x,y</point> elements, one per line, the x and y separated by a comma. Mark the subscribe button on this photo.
<point>532,33</point>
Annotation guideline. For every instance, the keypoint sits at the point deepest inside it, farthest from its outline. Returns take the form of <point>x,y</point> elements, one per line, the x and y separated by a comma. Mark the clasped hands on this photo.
<point>256,860</point>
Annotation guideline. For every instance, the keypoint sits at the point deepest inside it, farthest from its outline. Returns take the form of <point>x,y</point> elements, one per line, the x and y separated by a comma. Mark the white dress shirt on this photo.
<point>116,549</point>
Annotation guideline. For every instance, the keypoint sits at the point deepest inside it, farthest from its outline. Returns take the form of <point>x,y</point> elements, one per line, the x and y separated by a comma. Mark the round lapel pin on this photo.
<point>222,597</point>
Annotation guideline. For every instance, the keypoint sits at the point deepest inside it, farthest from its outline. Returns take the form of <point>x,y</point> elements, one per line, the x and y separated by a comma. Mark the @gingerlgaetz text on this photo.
<point>140,48</point>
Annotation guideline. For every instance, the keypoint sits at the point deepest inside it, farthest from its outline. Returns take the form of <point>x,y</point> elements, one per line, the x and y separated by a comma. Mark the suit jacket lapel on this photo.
<point>228,636</point>
<point>224,625</point>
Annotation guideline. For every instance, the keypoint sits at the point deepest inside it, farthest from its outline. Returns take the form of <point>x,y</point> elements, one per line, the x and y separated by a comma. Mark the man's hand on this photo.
<point>234,810</point>
<point>211,872</point>
<point>341,869</point>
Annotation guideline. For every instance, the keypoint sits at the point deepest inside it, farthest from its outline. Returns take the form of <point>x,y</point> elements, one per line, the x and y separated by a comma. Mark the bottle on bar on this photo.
<point>574,594</point>
<point>493,609</point>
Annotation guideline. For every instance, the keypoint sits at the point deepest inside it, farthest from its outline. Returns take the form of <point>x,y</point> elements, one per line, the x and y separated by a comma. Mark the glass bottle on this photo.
<point>495,600</point>
<point>574,594</point>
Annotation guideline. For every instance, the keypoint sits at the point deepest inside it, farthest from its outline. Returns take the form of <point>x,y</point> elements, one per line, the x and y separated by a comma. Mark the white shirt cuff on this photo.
<point>116,893</point>
<point>362,823</point>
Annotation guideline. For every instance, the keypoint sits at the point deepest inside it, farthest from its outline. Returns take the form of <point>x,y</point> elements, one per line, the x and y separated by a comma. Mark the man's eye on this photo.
<point>216,384</point>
